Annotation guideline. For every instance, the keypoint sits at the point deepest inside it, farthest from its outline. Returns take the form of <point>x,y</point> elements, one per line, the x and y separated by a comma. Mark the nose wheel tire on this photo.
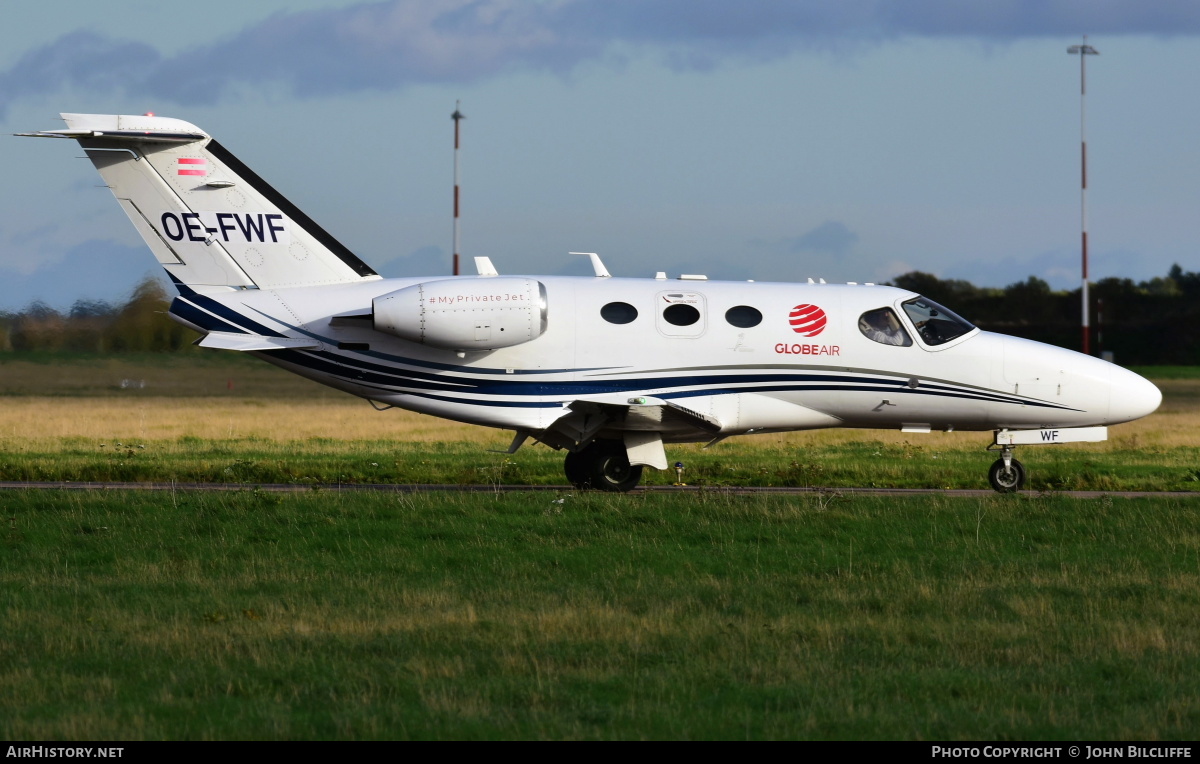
<point>1007,479</point>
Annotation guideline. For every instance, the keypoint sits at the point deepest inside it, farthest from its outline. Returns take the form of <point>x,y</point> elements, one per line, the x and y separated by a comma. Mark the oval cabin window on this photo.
<point>618,313</point>
<point>681,315</point>
<point>743,316</point>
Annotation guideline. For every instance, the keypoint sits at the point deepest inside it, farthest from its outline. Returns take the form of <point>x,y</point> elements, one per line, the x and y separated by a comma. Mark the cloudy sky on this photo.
<point>760,139</point>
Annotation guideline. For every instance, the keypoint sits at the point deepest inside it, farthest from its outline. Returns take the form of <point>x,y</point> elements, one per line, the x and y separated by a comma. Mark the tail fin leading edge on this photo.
<point>208,218</point>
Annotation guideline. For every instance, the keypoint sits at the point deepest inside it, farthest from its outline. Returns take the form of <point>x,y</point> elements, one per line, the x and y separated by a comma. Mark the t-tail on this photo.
<point>208,218</point>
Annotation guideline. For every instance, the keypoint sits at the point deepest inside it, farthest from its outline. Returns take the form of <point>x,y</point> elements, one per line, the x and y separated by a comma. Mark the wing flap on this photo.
<point>648,414</point>
<point>588,418</point>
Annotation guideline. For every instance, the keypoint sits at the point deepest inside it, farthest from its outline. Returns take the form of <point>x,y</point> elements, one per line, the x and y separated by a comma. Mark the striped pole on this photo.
<point>457,116</point>
<point>1083,51</point>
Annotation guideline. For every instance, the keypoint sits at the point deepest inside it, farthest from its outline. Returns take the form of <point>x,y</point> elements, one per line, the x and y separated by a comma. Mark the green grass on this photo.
<point>250,615</point>
<point>748,462</point>
<point>235,389</point>
<point>563,615</point>
<point>182,375</point>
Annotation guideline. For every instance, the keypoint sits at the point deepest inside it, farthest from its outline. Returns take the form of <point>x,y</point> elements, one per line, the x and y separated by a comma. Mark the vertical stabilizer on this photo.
<point>208,218</point>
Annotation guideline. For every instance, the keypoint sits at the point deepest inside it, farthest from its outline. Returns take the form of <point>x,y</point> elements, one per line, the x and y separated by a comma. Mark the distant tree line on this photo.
<point>97,326</point>
<point>1141,323</point>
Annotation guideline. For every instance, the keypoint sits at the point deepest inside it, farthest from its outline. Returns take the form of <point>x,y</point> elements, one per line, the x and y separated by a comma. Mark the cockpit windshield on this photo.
<point>935,324</point>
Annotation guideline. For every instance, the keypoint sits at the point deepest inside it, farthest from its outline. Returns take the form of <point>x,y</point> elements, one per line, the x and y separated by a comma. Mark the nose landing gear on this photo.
<point>1007,474</point>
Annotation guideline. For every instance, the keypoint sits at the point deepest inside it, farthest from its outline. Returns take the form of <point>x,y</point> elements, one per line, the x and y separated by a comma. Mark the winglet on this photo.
<point>484,266</point>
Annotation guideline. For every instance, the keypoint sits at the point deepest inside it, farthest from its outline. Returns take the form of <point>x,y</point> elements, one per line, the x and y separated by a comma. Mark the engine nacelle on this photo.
<point>465,314</point>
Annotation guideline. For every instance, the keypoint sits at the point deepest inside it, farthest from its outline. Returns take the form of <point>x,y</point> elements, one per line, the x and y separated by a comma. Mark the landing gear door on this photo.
<point>681,314</point>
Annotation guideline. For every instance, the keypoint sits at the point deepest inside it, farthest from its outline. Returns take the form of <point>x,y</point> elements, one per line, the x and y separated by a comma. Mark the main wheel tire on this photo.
<point>608,467</point>
<point>575,467</point>
<point>1007,480</point>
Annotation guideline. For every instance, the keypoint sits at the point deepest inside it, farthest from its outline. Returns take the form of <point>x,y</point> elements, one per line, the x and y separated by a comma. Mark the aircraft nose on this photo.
<point>1132,397</point>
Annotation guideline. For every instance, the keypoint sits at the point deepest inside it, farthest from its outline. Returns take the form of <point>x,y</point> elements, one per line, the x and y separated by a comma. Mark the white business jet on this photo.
<point>606,369</point>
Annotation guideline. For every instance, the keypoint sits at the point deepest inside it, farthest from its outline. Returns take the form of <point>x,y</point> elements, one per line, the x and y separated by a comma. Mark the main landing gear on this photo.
<point>602,465</point>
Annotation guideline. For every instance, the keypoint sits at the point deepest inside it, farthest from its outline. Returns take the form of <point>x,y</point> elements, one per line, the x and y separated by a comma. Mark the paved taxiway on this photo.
<point>418,488</point>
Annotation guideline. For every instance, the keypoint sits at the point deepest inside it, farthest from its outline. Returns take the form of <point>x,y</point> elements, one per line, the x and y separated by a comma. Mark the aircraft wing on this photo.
<point>647,414</point>
<point>643,423</point>
<point>234,341</point>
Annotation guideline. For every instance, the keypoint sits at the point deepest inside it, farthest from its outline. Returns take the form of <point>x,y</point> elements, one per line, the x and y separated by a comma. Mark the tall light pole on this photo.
<point>457,116</point>
<point>1083,51</point>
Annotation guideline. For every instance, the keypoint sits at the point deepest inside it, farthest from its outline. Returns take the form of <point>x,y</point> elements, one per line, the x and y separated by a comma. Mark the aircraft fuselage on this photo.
<point>768,377</point>
<point>608,369</point>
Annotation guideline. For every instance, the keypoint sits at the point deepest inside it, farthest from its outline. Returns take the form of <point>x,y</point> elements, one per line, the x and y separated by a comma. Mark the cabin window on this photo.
<point>618,313</point>
<point>934,323</point>
<point>743,316</point>
<point>681,314</point>
<point>883,326</point>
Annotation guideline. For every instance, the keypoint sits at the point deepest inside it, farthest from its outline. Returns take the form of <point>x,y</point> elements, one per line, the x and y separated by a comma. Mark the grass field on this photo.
<point>566,615</point>
<point>431,616</point>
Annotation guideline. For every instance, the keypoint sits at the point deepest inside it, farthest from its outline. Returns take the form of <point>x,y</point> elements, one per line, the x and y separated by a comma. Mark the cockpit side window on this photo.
<point>882,326</point>
<point>935,324</point>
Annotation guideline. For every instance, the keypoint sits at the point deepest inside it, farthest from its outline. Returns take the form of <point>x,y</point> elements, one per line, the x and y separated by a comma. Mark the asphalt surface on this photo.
<point>430,488</point>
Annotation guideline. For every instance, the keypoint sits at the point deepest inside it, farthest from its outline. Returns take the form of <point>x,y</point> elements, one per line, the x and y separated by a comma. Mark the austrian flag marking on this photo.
<point>807,320</point>
<point>193,166</point>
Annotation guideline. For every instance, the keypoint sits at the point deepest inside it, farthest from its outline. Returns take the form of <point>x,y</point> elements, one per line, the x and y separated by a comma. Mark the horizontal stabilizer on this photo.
<point>129,135</point>
<point>146,128</point>
<point>232,341</point>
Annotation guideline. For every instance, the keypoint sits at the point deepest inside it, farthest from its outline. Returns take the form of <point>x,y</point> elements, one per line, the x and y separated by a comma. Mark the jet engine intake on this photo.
<point>464,314</point>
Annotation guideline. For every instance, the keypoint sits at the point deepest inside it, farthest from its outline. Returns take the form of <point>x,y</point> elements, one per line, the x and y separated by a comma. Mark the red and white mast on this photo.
<point>457,116</point>
<point>1083,51</point>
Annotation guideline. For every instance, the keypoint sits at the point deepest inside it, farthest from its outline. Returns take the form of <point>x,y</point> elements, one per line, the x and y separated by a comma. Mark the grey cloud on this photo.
<point>391,45</point>
<point>831,237</point>
<point>375,47</point>
<point>32,236</point>
<point>1036,18</point>
<point>421,262</point>
<point>813,21</point>
<point>79,59</point>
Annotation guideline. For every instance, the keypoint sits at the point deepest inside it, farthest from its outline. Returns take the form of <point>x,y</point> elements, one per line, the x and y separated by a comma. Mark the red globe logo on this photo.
<point>807,320</point>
